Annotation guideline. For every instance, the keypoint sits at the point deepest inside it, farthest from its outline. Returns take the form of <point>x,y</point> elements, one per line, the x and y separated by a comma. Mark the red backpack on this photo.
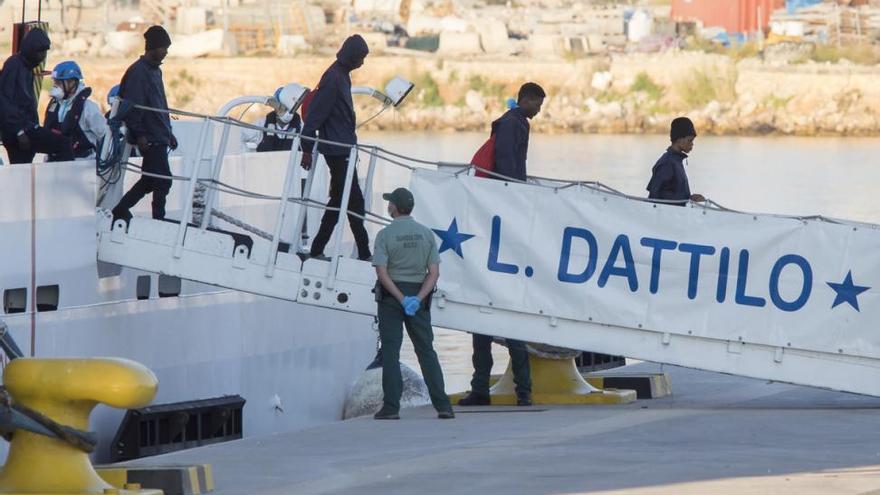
<point>484,158</point>
<point>304,106</point>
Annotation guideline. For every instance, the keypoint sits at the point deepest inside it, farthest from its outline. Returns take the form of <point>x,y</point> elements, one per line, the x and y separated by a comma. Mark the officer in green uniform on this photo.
<point>408,266</point>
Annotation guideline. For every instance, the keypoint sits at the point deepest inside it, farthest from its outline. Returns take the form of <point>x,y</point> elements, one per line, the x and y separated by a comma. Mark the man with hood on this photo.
<point>72,114</point>
<point>330,115</point>
<point>22,135</point>
<point>150,130</point>
<point>669,181</point>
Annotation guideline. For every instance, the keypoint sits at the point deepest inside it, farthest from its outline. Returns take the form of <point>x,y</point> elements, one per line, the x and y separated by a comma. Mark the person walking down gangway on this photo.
<point>511,135</point>
<point>407,267</point>
<point>669,180</point>
<point>142,84</point>
<point>72,114</point>
<point>23,137</point>
<point>330,116</point>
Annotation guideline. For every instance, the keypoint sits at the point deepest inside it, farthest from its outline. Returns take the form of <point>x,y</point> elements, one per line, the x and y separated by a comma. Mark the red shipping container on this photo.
<point>736,16</point>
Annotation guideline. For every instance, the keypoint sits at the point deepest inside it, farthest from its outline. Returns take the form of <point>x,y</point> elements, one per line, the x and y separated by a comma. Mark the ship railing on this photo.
<point>294,197</point>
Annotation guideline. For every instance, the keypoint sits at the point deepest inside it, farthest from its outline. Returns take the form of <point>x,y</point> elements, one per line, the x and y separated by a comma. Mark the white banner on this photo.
<point>580,254</point>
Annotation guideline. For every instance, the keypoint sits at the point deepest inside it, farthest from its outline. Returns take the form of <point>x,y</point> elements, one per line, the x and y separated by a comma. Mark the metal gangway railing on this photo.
<point>198,252</point>
<point>201,197</point>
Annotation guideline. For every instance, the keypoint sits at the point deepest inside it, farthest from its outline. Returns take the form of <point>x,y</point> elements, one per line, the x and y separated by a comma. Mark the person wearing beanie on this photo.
<point>150,131</point>
<point>23,137</point>
<point>669,180</point>
<point>330,116</point>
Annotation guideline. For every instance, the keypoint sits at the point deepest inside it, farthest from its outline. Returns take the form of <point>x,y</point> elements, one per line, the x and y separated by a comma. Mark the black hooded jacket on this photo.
<point>18,103</point>
<point>331,112</point>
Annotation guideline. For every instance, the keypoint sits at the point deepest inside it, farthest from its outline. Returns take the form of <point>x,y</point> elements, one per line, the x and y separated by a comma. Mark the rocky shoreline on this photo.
<point>638,93</point>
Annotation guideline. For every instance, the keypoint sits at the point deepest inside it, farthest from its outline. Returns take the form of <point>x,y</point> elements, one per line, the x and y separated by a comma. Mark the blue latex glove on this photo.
<point>411,305</point>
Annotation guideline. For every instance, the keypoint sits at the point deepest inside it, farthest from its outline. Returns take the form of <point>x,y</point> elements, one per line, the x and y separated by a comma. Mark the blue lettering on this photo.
<point>696,250</point>
<point>577,278</point>
<point>723,268</point>
<point>742,279</point>
<point>494,246</point>
<point>806,289</point>
<point>621,245</point>
<point>658,245</point>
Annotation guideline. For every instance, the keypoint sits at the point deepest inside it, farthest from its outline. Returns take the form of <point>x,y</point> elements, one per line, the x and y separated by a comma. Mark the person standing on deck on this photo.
<point>511,133</point>
<point>21,132</point>
<point>330,116</point>
<point>286,121</point>
<point>150,130</point>
<point>72,114</point>
<point>408,266</point>
<point>669,181</point>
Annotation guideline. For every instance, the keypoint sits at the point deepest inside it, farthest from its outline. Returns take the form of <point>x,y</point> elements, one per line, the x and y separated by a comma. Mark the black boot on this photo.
<point>524,399</point>
<point>475,399</point>
<point>386,413</point>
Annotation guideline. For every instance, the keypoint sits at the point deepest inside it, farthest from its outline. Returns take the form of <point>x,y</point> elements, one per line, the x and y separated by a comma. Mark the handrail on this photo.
<point>302,203</point>
<point>342,222</point>
<point>291,175</point>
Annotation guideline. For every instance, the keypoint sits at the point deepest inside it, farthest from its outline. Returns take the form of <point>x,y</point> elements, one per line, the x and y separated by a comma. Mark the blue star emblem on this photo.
<point>847,292</point>
<point>451,238</point>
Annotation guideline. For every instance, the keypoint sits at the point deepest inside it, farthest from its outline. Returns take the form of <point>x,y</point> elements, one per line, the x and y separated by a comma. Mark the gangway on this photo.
<point>583,267</point>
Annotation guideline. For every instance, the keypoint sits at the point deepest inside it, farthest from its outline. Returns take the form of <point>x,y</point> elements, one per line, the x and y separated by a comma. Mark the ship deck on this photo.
<point>715,434</point>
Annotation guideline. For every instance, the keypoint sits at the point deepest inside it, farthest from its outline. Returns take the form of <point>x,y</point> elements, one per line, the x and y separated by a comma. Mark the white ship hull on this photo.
<point>205,343</point>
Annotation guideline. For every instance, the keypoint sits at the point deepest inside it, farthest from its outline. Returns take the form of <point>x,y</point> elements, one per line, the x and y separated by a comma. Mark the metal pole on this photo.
<point>193,180</point>
<point>293,174</point>
<point>368,185</point>
<point>302,213</point>
<point>343,216</point>
<point>760,32</point>
<point>368,189</point>
<point>306,194</point>
<point>215,175</point>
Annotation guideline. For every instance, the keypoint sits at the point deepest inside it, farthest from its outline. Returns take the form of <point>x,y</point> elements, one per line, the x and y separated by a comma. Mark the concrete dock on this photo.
<point>715,434</point>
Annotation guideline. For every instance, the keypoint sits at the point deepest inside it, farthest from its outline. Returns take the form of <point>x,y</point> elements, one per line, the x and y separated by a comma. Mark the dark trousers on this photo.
<point>42,141</point>
<point>337,165</point>
<point>482,359</point>
<point>391,321</point>
<point>155,162</point>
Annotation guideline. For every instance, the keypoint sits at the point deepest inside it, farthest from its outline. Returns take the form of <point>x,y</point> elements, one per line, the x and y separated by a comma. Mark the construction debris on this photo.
<point>829,22</point>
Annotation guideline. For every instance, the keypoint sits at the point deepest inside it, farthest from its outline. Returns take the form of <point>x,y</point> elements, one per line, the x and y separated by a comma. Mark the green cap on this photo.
<point>401,197</point>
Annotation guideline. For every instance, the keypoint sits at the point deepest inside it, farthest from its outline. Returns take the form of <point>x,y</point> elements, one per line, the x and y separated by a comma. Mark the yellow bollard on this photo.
<point>66,391</point>
<point>554,382</point>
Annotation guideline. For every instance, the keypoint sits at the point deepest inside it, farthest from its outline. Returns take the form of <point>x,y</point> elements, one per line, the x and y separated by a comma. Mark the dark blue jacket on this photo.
<point>511,132</point>
<point>18,103</point>
<point>669,180</point>
<point>331,114</point>
<point>142,84</point>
